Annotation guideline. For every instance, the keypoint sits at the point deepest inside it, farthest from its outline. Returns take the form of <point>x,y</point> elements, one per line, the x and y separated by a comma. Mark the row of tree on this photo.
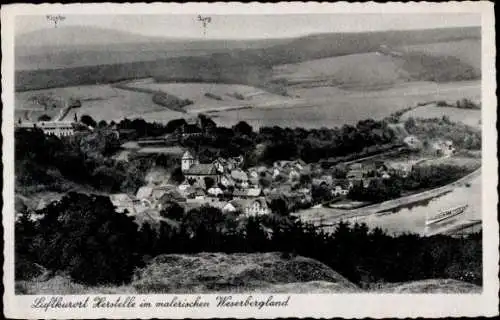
<point>48,162</point>
<point>83,236</point>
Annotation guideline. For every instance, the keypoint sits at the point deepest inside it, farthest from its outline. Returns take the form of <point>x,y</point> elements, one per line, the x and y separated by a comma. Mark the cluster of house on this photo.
<point>362,174</point>
<point>223,183</point>
<point>438,147</point>
<point>151,200</point>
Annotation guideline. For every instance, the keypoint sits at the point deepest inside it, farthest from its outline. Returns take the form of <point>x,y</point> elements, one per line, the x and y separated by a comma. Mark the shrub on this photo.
<point>84,236</point>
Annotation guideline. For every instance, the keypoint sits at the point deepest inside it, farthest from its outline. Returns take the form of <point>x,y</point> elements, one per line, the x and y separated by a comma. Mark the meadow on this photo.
<point>468,51</point>
<point>331,107</point>
<point>213,96</point>
<point>101,102</point>
<point>314,107</point>
<point>356,71</point>
<point>467,116</point>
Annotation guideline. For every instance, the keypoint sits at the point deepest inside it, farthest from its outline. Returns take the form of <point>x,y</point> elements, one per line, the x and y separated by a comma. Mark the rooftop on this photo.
<point>202,169</point>
<point>47,124</point>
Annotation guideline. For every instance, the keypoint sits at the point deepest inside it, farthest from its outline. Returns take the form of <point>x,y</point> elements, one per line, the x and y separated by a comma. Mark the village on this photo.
<point>225,184</point>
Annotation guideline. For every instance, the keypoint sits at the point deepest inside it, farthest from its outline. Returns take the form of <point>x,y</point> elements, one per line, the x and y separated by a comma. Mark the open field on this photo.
<point>441,62</point>
<point>308,107</point>
<point>213,96</point>
<point>330,107</point>
<point>101,102</point>
<point>468,51</point>
<point>469,117</point>
<point>355,71</point>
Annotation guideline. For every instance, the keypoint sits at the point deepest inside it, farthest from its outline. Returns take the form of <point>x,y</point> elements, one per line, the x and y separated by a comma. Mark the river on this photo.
<point>412,219</point>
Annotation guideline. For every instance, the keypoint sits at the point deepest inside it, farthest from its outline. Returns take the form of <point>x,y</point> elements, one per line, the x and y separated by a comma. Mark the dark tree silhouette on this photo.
<point>84,236</point>
<point>88,120</point>
<point>243,128</point>
<point>44,117</point>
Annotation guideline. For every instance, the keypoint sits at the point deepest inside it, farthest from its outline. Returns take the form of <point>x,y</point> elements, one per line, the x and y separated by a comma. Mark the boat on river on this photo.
<point>446,214</point>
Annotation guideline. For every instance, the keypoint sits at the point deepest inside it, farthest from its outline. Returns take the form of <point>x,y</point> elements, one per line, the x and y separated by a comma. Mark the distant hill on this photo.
<point>338,44</point>
<point>78,46</point>
<point>243,62</point>
<point>78,36</point>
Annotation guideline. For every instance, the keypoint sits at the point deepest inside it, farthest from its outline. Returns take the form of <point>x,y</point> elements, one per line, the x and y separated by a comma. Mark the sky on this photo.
<point>252,26</point>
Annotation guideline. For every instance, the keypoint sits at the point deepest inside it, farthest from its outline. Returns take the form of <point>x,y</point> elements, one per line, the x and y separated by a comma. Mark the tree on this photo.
<point>148,238</point>
<point>265,181</point>
<point>86,119</point>
<point>305,179</point>
<point>84,236</point>
<point>175,124</point>
<point>44,117</point>
<point>279,207</point>
<point>207,124</point>
<point>177,176</point>
<point>209,182</point>
<point>243,128</point>
<point>102,124</point>
<point>173,211</point>
<point>99,143</point>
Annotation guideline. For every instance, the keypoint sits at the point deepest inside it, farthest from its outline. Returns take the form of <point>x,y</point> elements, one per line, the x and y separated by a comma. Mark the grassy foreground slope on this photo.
<point>236,273</point>
<point>252,66</point>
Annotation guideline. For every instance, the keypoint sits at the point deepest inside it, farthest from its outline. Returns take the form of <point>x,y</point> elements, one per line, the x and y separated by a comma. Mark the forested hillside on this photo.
<point>253,66</point>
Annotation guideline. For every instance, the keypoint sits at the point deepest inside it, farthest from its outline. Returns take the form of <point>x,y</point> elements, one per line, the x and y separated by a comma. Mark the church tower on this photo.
<point>187,161</point>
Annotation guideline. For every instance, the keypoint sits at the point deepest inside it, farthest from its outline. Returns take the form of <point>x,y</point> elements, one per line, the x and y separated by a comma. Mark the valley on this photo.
<point>197,156</point>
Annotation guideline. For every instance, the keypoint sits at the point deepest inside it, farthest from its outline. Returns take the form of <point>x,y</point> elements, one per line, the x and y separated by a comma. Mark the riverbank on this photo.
<point>328,217</point>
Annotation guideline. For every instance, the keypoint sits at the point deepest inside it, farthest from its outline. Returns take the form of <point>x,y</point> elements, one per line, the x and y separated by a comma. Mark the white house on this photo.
<point>412,142</point>
<point>251,207</point>
<point>444,148</point>
<point>215,191</point>
<point>276,172</point>
<point>144,192</point>
<point>340,191</point>
<point>229,208</point>
<point>294,175</point>
<point>184,186</point>
<point>226,181</point>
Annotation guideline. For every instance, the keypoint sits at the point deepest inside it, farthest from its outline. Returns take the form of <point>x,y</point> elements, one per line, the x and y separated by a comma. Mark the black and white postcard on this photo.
<point>249,160</point>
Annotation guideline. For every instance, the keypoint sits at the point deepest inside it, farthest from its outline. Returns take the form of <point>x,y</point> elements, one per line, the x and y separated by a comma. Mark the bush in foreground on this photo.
<point>83,236</point>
